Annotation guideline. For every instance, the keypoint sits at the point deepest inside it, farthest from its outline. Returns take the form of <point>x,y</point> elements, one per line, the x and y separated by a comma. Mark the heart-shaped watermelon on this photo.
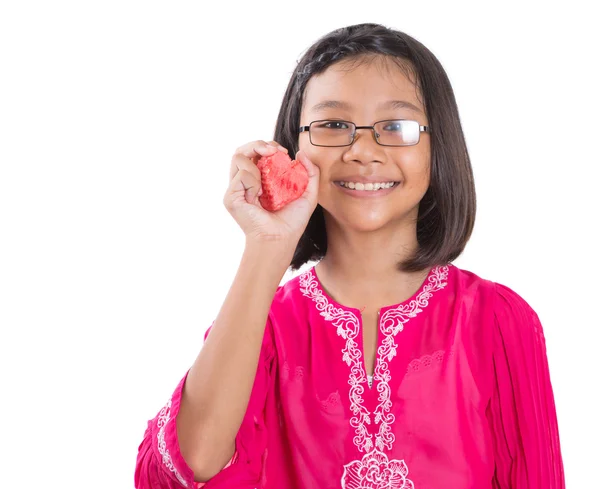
<point>283,180</point>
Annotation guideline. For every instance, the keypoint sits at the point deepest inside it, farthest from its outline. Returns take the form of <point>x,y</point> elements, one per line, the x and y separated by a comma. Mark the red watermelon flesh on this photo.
<point>282,180</point>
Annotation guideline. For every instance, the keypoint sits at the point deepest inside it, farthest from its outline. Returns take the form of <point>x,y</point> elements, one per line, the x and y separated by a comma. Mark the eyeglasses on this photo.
<point>335,133</point>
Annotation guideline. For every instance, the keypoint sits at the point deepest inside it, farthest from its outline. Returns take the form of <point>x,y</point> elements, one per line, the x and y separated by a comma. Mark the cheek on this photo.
<point>314,155</point>
<point>419,178</point>
<point>416,168</point>
<point>302,144</point>
<point>416,177</point>
<point>310,150</point>
<point>423,173</point>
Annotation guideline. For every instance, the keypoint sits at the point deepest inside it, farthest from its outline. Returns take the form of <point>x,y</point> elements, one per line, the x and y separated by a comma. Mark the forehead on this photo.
<point>362,83</point>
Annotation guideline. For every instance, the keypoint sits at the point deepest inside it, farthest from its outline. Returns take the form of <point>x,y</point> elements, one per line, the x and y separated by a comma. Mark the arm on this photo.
<point>522,413</point>
<point>194,436</point>
<point>216,394</point>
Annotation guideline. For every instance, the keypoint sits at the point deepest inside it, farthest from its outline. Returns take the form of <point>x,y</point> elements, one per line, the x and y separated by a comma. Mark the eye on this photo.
<point>393,126</point>
<point>336,125</point>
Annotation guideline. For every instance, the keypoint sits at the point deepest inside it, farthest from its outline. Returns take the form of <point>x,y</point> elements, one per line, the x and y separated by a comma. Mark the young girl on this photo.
<point>384,365</point>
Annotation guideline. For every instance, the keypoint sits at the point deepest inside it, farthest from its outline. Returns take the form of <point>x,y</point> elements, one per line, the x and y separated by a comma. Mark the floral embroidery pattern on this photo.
<point>391,323</point>
<point>425,362</point>
<point>163,418</point>
<point>374,471</point>
<point>348,328</point>
<point>331,403</point>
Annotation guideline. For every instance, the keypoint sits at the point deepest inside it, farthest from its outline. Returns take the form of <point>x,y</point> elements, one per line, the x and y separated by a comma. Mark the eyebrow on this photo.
<point>391,104</point>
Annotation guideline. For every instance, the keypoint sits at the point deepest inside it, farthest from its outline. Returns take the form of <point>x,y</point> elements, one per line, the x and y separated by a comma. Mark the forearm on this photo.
<point>219,383</point>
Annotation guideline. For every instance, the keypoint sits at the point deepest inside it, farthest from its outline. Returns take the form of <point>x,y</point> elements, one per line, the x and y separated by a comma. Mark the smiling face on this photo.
<point>364,94</point>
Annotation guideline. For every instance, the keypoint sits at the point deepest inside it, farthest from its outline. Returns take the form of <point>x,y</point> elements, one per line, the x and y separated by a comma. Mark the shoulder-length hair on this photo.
<point>446,213</point>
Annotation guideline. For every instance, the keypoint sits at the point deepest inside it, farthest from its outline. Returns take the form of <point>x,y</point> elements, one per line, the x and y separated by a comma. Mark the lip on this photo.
<point>365,179</point>
<point>367,194</point>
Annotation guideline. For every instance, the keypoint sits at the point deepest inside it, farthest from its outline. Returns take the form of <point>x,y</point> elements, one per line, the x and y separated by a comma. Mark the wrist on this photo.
<point>280,247</point>
<point>276,254</point>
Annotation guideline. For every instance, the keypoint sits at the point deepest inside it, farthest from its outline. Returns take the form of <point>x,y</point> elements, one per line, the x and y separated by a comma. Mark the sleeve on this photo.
<point>522,413</point>
<point>159,463</point>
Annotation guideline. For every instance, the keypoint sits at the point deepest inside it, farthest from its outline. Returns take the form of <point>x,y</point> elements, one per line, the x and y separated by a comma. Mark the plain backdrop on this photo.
<point>118,120</point>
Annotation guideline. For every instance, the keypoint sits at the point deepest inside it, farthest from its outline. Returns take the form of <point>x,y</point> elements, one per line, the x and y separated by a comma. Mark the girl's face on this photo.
<point>365,95</point>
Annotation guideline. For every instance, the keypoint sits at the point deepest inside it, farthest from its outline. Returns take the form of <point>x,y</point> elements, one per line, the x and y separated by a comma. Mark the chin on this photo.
<point>367,226</point>
<point>364,223</point>
<point>362,219</point>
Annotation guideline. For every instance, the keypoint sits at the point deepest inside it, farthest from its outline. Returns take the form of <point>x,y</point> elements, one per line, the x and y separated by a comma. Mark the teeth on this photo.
<point>366,186</point>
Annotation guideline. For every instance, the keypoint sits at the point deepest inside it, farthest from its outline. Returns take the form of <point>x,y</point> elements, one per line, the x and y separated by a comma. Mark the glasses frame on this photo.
<point>307,129</point>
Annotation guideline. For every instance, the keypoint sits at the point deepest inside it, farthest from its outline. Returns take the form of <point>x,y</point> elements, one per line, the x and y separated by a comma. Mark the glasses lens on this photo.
<point>331,133</point>
<point>398,132</point>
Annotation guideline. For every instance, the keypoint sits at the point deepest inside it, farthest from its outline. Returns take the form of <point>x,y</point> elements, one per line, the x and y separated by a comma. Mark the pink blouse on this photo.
<point>461,397</point>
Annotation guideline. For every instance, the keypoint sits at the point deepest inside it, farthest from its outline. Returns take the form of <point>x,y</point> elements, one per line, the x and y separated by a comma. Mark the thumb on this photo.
<point>314,173</point>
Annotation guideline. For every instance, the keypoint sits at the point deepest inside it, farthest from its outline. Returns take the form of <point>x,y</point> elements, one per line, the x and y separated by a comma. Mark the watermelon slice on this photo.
<point>282,179</point>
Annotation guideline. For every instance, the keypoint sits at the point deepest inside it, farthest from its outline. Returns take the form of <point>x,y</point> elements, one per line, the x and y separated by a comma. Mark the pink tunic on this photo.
<point>461,397</point>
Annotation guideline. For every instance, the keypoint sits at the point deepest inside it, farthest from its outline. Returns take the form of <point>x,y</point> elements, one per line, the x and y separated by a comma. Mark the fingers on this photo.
<point>311,168</point>
<point>240,162</point>
<point>279,146</point>
<point>252,152</point>
<point>312,190</point>
<point>259,148</point>
<point>244,175</point>
<point>243,183</point>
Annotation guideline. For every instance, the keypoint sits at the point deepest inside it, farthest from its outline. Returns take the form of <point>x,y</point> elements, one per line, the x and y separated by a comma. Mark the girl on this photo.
<point>384,365</point>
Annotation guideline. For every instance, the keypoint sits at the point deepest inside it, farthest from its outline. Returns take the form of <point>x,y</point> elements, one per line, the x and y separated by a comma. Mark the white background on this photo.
<point>116,251</point>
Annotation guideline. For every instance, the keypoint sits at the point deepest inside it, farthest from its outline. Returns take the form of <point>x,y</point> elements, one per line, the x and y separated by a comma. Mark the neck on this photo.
<point>360,268</point>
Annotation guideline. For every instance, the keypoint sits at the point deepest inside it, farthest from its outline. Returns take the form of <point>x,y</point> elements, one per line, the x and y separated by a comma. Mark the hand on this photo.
<point>241,198</point>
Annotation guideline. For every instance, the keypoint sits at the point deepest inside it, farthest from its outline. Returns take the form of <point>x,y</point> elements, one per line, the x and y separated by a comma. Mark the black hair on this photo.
<point>446,214</point>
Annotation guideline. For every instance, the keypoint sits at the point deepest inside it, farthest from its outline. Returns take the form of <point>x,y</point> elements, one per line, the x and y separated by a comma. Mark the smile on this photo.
<point>367,189</point>
<point>370,187</point>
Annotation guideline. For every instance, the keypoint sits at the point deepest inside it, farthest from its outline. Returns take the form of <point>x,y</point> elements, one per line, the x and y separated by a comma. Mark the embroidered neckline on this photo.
<point>331,300</point>
<point>391,322</point>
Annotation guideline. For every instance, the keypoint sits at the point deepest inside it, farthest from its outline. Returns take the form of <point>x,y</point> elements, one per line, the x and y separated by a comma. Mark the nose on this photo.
<point>365,147</point>
<point>369,128</point>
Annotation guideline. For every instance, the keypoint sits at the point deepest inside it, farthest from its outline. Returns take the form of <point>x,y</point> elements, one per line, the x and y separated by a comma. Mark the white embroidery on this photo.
<point>377,472</point>
<point>391,323</point>
<point>348,327</point>
<point>374,470</point>
<point>163,418</point>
